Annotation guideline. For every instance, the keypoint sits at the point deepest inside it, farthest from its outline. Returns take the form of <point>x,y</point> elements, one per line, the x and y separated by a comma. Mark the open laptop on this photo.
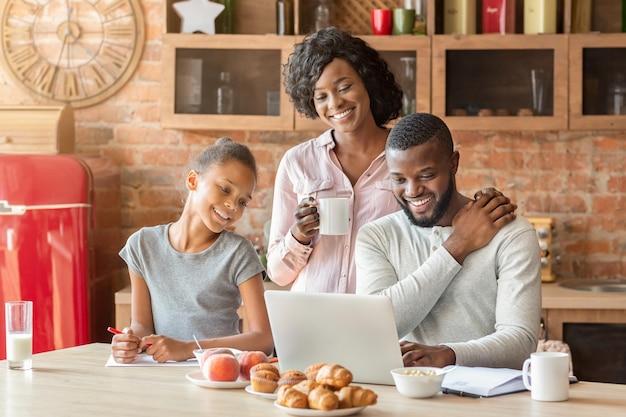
<point>355,331</point>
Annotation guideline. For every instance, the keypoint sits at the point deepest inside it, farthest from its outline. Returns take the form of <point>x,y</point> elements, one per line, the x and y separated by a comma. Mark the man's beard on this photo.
<point>439,211</point>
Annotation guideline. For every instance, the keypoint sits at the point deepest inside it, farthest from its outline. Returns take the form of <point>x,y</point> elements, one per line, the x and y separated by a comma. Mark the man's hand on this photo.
<point>414,354</point>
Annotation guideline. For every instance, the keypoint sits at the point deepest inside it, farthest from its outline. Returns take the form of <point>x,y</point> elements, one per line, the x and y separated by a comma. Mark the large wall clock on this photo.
<point>78,52</point>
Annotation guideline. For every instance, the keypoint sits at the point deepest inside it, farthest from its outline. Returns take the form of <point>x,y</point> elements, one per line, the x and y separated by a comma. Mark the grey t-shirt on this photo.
<point>192,293</point>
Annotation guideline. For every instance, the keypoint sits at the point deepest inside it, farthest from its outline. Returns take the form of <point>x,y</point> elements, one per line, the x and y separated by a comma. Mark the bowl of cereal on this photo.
<point>418,381</point>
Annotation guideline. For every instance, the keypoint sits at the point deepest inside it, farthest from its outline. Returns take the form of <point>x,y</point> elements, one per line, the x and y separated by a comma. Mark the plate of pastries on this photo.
<point>322,389</point>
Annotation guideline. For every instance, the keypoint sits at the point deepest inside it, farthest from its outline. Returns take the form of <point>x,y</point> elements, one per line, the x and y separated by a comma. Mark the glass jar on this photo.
<point>616,96</point>
<point>322,15</point>
<point>419,27</point>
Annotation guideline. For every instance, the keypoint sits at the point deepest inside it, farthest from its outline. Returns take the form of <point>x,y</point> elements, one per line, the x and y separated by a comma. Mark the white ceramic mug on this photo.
<point>549,376</point>
<point>334,217</point>
<point>19,334</point>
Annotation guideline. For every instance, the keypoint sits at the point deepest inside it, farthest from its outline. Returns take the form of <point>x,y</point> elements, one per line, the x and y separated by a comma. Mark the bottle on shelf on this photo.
<point>284,17</point>
<point>224,21</point>
<point>322,15</point>
<point>225,95</point>
<point>407,83</point>
<point>616,96</point>
<point>459,17</point>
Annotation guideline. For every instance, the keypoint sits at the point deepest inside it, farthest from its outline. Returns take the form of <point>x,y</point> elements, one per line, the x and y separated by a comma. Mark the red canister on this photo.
<point>499,16</point>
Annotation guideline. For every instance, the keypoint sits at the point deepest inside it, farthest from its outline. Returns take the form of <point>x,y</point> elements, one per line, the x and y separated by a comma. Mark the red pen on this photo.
<point>113,330</point>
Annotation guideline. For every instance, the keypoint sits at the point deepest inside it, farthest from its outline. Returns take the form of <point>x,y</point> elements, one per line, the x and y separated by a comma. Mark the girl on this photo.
<point>188,278</point>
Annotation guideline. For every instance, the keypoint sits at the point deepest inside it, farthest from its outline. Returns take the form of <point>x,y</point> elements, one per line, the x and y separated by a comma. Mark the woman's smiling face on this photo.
<point>340,97</point>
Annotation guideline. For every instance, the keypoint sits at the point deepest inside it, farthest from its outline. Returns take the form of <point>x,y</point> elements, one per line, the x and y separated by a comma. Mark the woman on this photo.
<point>343,81</point>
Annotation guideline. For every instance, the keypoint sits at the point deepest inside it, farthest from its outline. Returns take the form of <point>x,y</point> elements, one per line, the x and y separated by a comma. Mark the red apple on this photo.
<point>221,367</point>
<point>248,359</point>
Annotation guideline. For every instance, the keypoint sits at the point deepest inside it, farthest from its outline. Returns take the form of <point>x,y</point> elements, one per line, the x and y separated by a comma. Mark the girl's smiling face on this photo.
<point>221,194</point>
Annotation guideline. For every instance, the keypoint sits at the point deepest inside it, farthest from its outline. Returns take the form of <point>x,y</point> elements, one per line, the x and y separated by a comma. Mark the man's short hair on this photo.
<point>417,129</point>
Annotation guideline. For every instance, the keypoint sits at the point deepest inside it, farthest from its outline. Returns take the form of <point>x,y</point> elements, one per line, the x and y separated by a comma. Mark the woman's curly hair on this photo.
<point>305,65</point>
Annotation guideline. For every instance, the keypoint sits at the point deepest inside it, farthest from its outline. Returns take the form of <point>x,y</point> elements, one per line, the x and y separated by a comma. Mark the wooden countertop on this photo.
<point>555,296</point>
<point>75,383</point>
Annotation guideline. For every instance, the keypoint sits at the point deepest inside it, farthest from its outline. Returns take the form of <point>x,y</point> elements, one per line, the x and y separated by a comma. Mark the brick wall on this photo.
<point>578,178</point>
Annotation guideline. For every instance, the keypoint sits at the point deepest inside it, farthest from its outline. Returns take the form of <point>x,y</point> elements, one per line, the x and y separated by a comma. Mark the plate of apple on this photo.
<point>225,368</point>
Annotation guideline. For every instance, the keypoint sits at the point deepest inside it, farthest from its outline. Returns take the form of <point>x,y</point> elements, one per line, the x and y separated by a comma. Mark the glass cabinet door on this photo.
<point>495,82</point>
<point>598,81</point>
<point>225,82</point>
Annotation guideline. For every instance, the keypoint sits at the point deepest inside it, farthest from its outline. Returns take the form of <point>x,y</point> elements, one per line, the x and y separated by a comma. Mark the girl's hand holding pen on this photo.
<point>125,345</point>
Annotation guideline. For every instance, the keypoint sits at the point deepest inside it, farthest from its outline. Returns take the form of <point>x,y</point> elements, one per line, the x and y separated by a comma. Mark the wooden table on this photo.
<point>75,382</point>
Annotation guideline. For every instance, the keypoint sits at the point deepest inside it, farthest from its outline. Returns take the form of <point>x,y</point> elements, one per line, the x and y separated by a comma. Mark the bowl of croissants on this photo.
<point>322,387</point>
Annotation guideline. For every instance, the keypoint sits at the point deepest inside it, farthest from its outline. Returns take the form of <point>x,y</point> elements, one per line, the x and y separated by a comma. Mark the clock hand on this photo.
<point>62,49</point>
<point>69,12</point>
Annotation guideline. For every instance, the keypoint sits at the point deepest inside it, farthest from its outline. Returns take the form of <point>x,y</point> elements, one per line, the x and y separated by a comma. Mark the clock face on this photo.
<point>78,52</point>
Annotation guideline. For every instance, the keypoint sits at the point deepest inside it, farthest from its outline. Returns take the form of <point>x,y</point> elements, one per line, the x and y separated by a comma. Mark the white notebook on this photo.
<point>482,382</point>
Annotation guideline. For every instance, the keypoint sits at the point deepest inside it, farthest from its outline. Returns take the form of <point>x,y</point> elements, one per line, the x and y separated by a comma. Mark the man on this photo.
<point>464,275</point>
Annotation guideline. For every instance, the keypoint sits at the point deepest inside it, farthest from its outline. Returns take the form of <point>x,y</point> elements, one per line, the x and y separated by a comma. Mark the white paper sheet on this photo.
<point>146,360</point>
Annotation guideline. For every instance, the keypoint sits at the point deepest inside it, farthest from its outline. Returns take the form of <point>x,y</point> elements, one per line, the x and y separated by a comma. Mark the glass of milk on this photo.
<point>19,334</point>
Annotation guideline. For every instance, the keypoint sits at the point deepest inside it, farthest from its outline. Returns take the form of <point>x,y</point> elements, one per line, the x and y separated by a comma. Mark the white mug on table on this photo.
<point>19,334</point>
<point>549,376</point>
<point>334,215</point>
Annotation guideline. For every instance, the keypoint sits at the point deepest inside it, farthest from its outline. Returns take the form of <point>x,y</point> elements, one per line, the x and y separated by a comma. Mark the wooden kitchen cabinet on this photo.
<point>482,82</point>
<point>597,63</point>
<point>253,63</point>
<point>474,82</point>
<point>555,319</point>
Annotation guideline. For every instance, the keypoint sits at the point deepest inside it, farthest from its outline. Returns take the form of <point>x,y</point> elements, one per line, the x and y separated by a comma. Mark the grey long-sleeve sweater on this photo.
<point>487,310</point>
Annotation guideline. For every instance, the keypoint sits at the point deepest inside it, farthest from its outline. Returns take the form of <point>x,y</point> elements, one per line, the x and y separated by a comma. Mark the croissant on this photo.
<point>324,399</point>
<point>311,370</point>
<point>356,396</point>
<point>289,397</point>
<point>334,376</point>
<point>306,386</point>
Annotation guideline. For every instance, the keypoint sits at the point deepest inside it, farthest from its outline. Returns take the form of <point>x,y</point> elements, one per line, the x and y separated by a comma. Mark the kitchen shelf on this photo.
<point>454,73</point>
<point>595,60</point>
<point>476,75</point>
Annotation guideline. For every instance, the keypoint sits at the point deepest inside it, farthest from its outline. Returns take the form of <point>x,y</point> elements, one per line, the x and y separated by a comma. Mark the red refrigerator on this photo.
<point>45,228</point>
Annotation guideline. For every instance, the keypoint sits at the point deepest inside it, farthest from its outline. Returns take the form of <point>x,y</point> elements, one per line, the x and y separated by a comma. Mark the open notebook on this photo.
<point>355,331</point>
<point>484,382</point>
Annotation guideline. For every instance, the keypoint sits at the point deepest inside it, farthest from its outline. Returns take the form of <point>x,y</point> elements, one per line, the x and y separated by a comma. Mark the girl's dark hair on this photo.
<point>305,65</point>
<point>223,150</point>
